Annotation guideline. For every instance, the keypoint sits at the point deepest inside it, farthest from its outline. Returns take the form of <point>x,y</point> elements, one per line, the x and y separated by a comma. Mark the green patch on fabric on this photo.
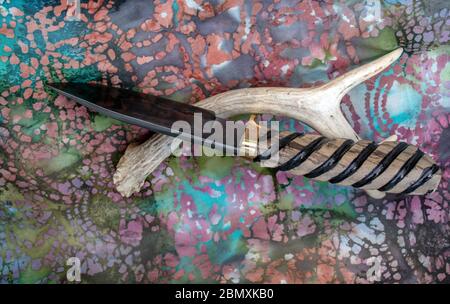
<point>27,233</point>
<point>233,248</point>
<point>101,123</point>
<point>104,213</point>
<point>244,117</point>
<point>174,164</point>
<point>315,63</point>
<point>147,205</point>
<point>18,111</point>
<point>341,212</point>
<point>376,46</point>
<point>278,250</point>
<point>71,231</point>
<point>29,276</point>
<point>286,202</point>
<point>89,73</point>
<point>64,160</point>
<point>3,68</point>
<point>30,233</point>
<point>37,251</point>
<point>261,170</point>
<point>346,210</point>
<point>156,243</point>
<point>215,167</point>
<point>164,201</point>
<point>10,193</point>
<point>31,124</point>
<point>268,209</point>
<point>109,276</point>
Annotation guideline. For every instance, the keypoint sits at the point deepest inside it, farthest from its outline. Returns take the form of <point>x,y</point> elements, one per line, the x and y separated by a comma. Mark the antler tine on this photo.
<point>318,107</point>
<point>344,83</point>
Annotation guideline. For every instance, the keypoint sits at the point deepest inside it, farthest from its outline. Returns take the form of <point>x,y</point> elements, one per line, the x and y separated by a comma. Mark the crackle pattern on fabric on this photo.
<point>215,219</point>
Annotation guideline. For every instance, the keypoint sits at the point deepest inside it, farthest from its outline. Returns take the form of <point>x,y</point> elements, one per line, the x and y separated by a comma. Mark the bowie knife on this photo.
<point>394,167</point>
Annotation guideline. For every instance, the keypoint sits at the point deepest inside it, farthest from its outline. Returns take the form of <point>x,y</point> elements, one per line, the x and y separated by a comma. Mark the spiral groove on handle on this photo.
<point>393,167</point>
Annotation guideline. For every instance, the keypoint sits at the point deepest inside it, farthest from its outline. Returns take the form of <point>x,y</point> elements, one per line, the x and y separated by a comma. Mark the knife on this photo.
<point>393,167</point>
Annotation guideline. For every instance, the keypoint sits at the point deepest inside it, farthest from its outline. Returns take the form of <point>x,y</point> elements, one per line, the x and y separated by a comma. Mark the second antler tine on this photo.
<point>358,75</point>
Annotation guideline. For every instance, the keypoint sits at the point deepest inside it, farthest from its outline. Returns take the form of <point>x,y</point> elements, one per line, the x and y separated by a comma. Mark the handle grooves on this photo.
<point>388,166</point>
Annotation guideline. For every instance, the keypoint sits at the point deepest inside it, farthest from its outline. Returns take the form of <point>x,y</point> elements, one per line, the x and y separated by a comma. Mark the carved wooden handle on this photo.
<point>393,167</point>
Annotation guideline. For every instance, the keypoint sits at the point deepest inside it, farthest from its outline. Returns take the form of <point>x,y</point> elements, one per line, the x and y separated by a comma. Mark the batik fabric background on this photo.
<point>215,219</point>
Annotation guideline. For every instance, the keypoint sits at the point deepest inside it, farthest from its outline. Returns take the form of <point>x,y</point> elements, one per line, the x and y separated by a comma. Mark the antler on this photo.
<point>319,107</point>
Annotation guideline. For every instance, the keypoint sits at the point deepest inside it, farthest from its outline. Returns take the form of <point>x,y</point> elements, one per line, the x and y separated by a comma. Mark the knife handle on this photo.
<point>392,167</point>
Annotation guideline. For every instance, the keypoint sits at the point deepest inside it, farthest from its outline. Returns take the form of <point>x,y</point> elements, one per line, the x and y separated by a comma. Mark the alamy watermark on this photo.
<point>73,10</point>
<point>73,274</point>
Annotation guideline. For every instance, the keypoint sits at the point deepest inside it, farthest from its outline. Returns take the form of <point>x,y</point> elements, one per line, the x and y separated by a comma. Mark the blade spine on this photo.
<point>139,122</point>
<point>116,115</point>
<point>130,91</point>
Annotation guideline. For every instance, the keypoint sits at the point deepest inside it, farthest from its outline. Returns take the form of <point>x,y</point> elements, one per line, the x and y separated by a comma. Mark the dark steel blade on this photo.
<point>151,112</point>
